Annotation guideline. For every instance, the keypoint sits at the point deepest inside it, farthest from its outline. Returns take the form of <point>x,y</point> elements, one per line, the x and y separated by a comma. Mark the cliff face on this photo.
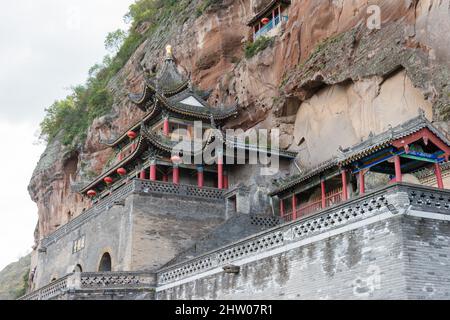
<point>326,81</point>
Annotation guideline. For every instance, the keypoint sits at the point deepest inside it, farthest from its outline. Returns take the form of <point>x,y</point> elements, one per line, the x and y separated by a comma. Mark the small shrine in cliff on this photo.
<point>172,108</point>
<point>267,20</point>
<point>400,154</point>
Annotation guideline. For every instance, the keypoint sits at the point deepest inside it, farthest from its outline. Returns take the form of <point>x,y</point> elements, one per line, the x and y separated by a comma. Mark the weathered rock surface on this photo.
<point>325,74</point>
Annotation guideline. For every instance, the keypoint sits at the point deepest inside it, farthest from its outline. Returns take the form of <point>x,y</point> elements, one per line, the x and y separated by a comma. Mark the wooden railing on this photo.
<point>331,199</point>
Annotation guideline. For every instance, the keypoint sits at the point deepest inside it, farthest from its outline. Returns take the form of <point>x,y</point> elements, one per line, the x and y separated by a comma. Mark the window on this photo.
<point>78,244</point>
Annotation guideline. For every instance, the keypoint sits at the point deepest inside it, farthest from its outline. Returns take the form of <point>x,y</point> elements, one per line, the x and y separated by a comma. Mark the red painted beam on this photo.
<point>153,172</point>
<point>438,172</point>
<point>176,174</point>
<point>427,136</point>
<point>362,186</point>
<point>344,186</point>
<point>323,193</point>
<point>200,177</point>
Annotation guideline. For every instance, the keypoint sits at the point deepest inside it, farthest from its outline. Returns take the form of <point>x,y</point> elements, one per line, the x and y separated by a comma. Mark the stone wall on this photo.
<point>392,244</point>
<point>389,259</point>
<point>141,233</point>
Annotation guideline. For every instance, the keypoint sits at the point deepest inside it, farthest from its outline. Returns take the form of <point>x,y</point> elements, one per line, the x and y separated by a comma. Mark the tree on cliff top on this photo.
<point>73,115</point>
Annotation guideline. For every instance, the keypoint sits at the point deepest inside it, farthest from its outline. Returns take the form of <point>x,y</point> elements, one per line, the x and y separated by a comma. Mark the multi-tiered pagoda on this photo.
<point>145,151</point>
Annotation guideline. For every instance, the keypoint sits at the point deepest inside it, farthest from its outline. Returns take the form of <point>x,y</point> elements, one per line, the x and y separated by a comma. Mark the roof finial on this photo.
<point>169,54</point>
<point>422,113</point>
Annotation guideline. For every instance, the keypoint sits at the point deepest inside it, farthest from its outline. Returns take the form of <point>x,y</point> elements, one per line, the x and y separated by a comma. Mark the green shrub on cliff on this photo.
<point>252,48</point>
<point>74,114</point>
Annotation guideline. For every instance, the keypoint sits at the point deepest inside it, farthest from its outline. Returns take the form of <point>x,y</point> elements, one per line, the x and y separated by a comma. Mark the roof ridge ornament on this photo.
<point>422,113</point>
<point>169,52</point>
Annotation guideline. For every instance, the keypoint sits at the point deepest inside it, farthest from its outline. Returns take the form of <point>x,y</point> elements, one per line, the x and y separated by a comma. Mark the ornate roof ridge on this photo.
<point>113,168</point>
<point>357,151</point>
<point>135,126</point>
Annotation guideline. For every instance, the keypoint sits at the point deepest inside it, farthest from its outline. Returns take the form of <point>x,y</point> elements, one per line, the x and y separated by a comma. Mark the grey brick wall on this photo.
<point>144,234</point>
<point>398,258</point>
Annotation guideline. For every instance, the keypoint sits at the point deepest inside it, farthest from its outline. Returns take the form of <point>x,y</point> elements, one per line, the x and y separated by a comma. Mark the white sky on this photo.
<point>46,46</point>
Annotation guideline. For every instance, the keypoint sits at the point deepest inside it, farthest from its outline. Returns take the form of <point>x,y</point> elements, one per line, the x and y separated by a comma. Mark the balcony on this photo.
<point>274,23</point>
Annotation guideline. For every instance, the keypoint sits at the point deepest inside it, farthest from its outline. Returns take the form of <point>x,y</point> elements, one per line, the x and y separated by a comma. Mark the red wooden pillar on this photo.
<point>324,195</point>
<point>200,177</point>
<point>142,175</point>
<point>166,129</point>
<point>438,172</point>
<point>362,187</point>
<point>153,171</point>
<point>225,180</point>
<point>120,156</point>
<point>294,207</point>
<point>176,174</point>
<point>282,208</point>
<point>220,172</point>
<point>398,169</point>
<point>344,186</point>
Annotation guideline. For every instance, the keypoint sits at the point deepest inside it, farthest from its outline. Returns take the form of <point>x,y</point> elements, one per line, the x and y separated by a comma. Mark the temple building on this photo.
<point>145,151</point>
<point>182,212</point>
<point>400,154</point>
<point>268,20</point>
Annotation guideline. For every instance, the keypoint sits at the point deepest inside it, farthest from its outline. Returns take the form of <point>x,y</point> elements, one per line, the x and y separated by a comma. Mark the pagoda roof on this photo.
<point>363,149</point>
<point>385,139</point>
<point>141,147</point>
<point>262,13</point>
<point>160,142</point>
<point>295,180</point>
<point>176,94</point>
<point>135,127</point>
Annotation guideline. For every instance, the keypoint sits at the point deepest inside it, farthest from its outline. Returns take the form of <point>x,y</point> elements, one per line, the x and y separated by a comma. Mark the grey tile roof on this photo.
<point>360,150</point>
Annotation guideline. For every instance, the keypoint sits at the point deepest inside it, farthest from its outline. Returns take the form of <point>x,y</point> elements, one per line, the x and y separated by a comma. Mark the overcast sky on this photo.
<point>46,46</point>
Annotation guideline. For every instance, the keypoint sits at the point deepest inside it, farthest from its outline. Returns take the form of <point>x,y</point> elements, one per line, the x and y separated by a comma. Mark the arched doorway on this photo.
<point>105,263</point>
<point>78,269</point>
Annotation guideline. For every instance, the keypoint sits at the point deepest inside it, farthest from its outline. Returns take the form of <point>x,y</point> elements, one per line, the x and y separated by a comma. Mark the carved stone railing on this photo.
<point>392,198</point>
<point>166,188</point>
<point>94,281</point>
<point>49,291</point>
<point>134,186</point>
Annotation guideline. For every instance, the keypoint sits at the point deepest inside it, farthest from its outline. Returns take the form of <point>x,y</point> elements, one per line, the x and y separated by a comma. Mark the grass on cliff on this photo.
<point>252,48</point>
<point>74,114</point>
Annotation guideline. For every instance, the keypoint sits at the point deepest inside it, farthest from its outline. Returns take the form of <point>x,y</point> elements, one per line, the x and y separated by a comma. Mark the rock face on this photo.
<point>327,80</point>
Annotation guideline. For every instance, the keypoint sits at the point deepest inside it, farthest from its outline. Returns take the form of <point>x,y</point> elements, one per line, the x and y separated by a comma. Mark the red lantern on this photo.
<point>91,193</point>
<point>108,180</point>
<point>176,159</point>
<point>132,134</point>
<point>265,21</point>
<point>121,171</point>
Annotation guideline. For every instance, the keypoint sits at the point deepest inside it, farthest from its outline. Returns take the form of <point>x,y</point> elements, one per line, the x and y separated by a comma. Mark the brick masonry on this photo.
<point>403,257</point>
